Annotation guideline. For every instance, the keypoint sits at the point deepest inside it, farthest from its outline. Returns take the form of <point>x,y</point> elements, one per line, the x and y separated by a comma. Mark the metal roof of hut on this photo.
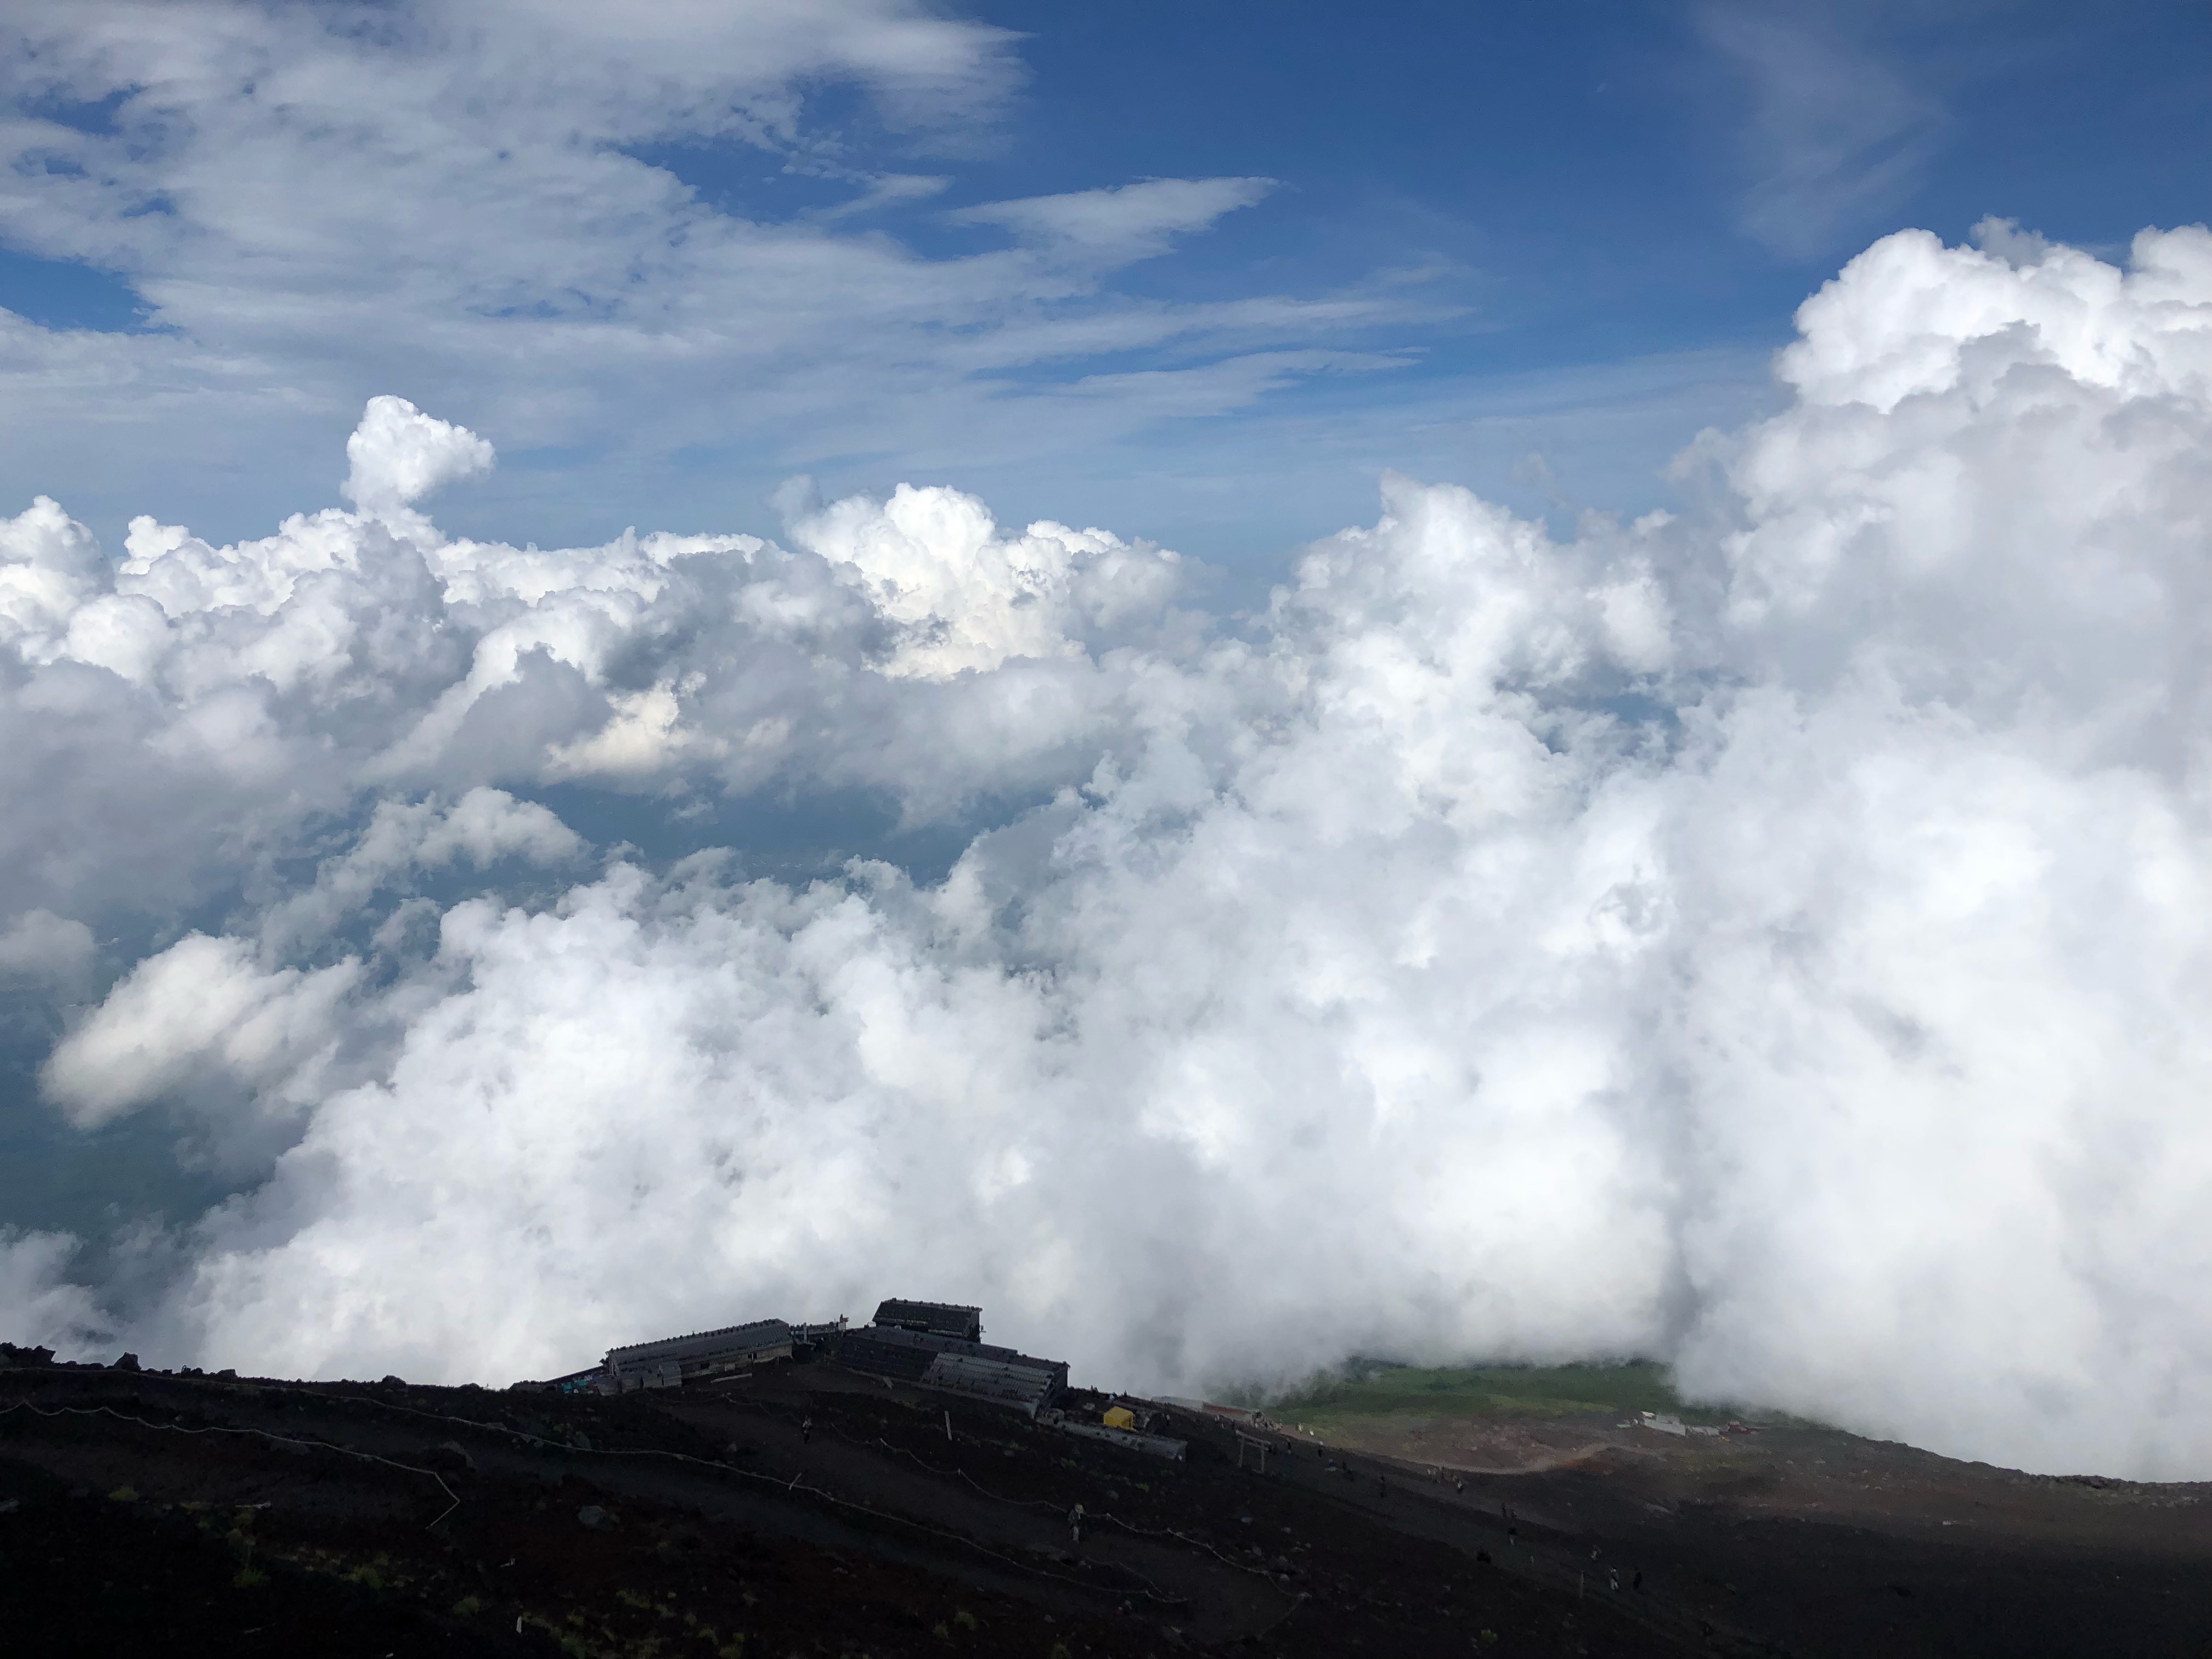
<point>937,1318</point>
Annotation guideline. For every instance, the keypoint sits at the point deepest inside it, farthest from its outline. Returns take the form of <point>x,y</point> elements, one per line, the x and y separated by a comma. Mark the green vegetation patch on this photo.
<point>1367,1389</point>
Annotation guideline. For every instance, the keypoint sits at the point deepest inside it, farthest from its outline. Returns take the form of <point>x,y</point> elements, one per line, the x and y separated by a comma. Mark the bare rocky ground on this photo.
<point>1821,1542</point>
<point>146,1513</point>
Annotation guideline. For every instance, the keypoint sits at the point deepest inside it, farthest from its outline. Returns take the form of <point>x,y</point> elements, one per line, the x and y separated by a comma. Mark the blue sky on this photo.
<point>1530,248</point>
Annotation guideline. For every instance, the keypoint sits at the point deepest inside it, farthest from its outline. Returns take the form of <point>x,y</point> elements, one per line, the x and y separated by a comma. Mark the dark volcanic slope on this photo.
<point>175,1515</point>
<point>1826,1543</point>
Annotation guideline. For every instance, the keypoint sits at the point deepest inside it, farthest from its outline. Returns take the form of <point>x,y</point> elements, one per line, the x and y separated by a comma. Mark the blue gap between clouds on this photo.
<point>63,294</point>
<point>799,840</point>
<point>95,116</point>
<point>98,1184</point>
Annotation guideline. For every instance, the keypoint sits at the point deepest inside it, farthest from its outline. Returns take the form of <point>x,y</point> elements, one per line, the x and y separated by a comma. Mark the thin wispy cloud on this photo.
<point>459,199</point>
<point>1120,223</point>
<point>1838,132</point>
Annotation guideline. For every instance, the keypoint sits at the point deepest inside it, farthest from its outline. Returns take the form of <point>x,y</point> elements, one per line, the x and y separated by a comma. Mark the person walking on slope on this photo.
<point>1075,1526</point>
<point>806,1430</point>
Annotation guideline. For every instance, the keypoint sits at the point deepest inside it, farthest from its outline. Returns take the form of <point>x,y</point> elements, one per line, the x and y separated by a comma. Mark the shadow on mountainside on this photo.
<point>806,1509</point>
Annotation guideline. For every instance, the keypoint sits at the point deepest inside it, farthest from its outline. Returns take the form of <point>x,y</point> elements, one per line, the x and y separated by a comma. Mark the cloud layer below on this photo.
<point>1773,940</point>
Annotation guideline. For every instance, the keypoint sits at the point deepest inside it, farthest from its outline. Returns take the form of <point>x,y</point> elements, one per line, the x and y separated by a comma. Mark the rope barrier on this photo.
<point>262,1434</point>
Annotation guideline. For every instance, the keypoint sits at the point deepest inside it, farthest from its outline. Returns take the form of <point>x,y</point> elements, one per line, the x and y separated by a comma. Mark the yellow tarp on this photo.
<point>1120,1417</point>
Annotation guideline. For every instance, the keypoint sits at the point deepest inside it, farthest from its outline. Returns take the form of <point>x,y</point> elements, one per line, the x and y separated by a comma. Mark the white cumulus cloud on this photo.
<point>1771,940</point>
<point>399,454</point>
<point>200,1005</point>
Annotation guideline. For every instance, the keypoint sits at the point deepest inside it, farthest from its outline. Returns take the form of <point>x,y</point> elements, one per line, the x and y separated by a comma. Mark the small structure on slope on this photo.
<point>930,1345</point>
<point>1120,1426</point>
<point>931,1318</point>
<point>903,1348</point>
<point>679,1359</point>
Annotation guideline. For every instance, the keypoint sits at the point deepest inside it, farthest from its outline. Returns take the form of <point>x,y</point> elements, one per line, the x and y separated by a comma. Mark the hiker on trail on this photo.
<point>1075,1525</point>
<point>1382,1485</point>
<point>806,1432</point>
<point>1613,1579</point>
<point>1458,1485</point>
